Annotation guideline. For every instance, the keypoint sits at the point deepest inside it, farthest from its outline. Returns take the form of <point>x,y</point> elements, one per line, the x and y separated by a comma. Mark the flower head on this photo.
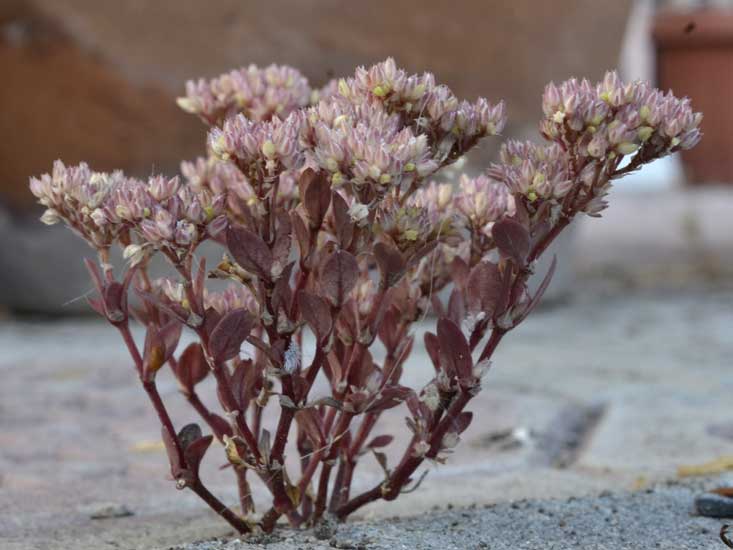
<point>482,201</point>
<point>258,94</point>
<point>533,171</point>
<point>613,119</point>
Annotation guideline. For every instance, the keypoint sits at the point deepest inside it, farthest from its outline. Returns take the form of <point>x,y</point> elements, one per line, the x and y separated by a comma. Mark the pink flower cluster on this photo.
<point>259,94</point>
<point>613,119</point>
<point>330,224</point>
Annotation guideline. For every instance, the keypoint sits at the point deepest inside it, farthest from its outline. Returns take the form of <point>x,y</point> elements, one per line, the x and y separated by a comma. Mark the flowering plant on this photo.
<point>324,204</point>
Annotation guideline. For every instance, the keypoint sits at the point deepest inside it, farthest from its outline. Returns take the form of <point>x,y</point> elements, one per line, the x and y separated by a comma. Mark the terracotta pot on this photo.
<point>695,58</point>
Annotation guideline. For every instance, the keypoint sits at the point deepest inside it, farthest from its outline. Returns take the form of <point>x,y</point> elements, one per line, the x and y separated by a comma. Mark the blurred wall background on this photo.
<point>96,80</point>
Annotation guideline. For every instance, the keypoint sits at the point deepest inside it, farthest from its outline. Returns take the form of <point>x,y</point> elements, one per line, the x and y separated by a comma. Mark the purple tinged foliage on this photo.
<point>323,203</point>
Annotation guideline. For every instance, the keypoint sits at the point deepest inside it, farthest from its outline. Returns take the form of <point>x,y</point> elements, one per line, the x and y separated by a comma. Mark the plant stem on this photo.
<point>215,504</point>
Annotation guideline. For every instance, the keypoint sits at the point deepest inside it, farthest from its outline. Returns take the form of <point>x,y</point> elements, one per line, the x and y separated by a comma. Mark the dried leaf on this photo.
<point>454,350</point>
<point>512,240</point>
<point>250,251</point>
<point>338,276</point>
<point>301,233</point>
<point>226,339</point>
<point>721,464</point>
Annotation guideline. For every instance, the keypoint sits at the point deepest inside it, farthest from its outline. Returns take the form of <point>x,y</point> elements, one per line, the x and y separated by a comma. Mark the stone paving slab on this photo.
<point>76,431</point>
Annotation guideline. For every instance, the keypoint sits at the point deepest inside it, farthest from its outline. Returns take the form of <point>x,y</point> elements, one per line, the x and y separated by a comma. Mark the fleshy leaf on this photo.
<point>250,251</point>
<point>391,263</point>
<point>512,240</point>
<point>316,313</point>
<point>227,337</point>
<point>338,276</point>
<point>454,350</point>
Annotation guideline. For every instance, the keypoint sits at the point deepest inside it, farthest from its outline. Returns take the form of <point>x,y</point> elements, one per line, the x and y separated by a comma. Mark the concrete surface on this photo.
<point>612,391</point>
<point>654,518</point>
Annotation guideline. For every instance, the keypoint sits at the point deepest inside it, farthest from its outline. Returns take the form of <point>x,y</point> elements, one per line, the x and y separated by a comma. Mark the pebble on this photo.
<point>714,506</point>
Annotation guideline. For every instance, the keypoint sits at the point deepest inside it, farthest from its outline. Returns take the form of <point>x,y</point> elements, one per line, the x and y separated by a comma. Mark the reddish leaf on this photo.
<point>512,240</point>
<point>115,304</point>
<point>171,451</point>
<point>380,441</point>
<point>342,219</point>
<point>282,294</point>
<point>484,288</point>
<point>172,309</point>
<point>438,309</point>
<point>301,233</point>
<point>391,263</point>
<point>459,271</point>
<point>338,276</point>
<point>191,367</point>
<point>153,352</point>
<point>433,348</point>
<point>250,251</point>
<point>454,350</point>
<point>520,213</point>
<point>194,452</point>
<point>316,197</point>
<point>211,319</point>
<point>456,308</point>
<point>227,337</point>
<point>388,331</point>
<point>171,335</point>
<point>316,313</point>
<point>282,246</point>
